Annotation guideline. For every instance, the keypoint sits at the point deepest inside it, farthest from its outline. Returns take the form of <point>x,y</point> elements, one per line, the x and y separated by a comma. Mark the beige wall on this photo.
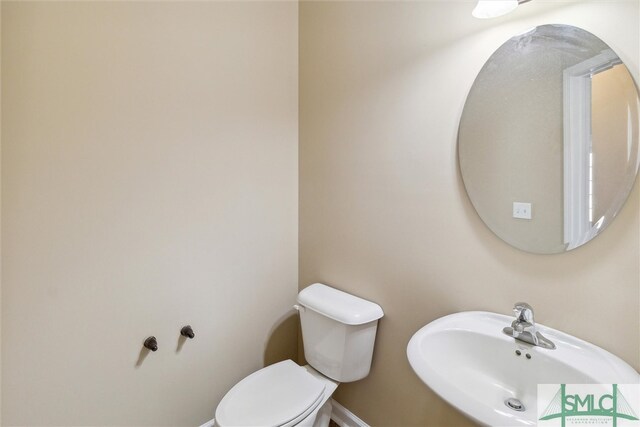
<point>0,215</point>
<point>610,135</point>
<point>521,160</point>
<point>383,211</point>
<point>149,180</point>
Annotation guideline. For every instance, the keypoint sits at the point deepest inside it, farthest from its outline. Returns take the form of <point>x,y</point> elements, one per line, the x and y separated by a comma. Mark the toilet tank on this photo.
<point>338,331</point>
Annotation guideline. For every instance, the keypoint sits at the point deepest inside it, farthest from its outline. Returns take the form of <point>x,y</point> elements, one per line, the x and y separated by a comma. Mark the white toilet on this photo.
<point>338,332</point>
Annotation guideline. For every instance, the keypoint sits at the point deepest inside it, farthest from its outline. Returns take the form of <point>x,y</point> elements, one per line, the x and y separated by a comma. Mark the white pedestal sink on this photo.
<point>467,360</point>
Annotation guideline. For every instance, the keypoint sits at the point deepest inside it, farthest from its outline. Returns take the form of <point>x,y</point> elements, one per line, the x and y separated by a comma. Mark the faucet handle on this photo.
<point>524,312</point>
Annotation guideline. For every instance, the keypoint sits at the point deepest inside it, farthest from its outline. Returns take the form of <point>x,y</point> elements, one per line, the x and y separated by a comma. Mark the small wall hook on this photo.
<point>151,343</point>
<point>187,332</point>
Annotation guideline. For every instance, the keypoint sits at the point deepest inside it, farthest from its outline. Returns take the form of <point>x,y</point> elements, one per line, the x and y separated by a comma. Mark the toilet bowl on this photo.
<point>338,333</point>
<point>284,394</point>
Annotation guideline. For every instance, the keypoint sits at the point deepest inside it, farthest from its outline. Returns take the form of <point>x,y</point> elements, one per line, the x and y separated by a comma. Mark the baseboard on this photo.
<point>344,417</point>
<point>209,423</point>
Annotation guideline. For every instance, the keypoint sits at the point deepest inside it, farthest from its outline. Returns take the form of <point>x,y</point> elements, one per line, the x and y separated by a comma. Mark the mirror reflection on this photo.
<point>548,139</point>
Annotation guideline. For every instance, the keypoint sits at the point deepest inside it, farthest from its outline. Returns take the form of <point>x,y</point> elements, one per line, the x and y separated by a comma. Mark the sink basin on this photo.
<point>467,360</point>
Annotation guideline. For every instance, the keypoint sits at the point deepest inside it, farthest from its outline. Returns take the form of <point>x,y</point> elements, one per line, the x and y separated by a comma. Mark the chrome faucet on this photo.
<point>524,327</point>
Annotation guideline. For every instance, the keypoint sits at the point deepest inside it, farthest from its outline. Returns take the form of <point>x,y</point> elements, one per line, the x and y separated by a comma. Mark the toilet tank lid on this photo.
<point>340,306</point>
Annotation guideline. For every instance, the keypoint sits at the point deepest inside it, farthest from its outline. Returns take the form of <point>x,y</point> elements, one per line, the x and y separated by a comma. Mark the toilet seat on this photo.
<point>279,395</point>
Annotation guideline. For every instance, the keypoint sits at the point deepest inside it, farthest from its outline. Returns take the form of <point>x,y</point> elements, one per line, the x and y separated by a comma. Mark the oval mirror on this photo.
<point>548,139</point>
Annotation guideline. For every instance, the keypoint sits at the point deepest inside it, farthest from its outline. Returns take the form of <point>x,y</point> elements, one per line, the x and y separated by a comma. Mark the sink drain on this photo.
<point>514,404</point>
